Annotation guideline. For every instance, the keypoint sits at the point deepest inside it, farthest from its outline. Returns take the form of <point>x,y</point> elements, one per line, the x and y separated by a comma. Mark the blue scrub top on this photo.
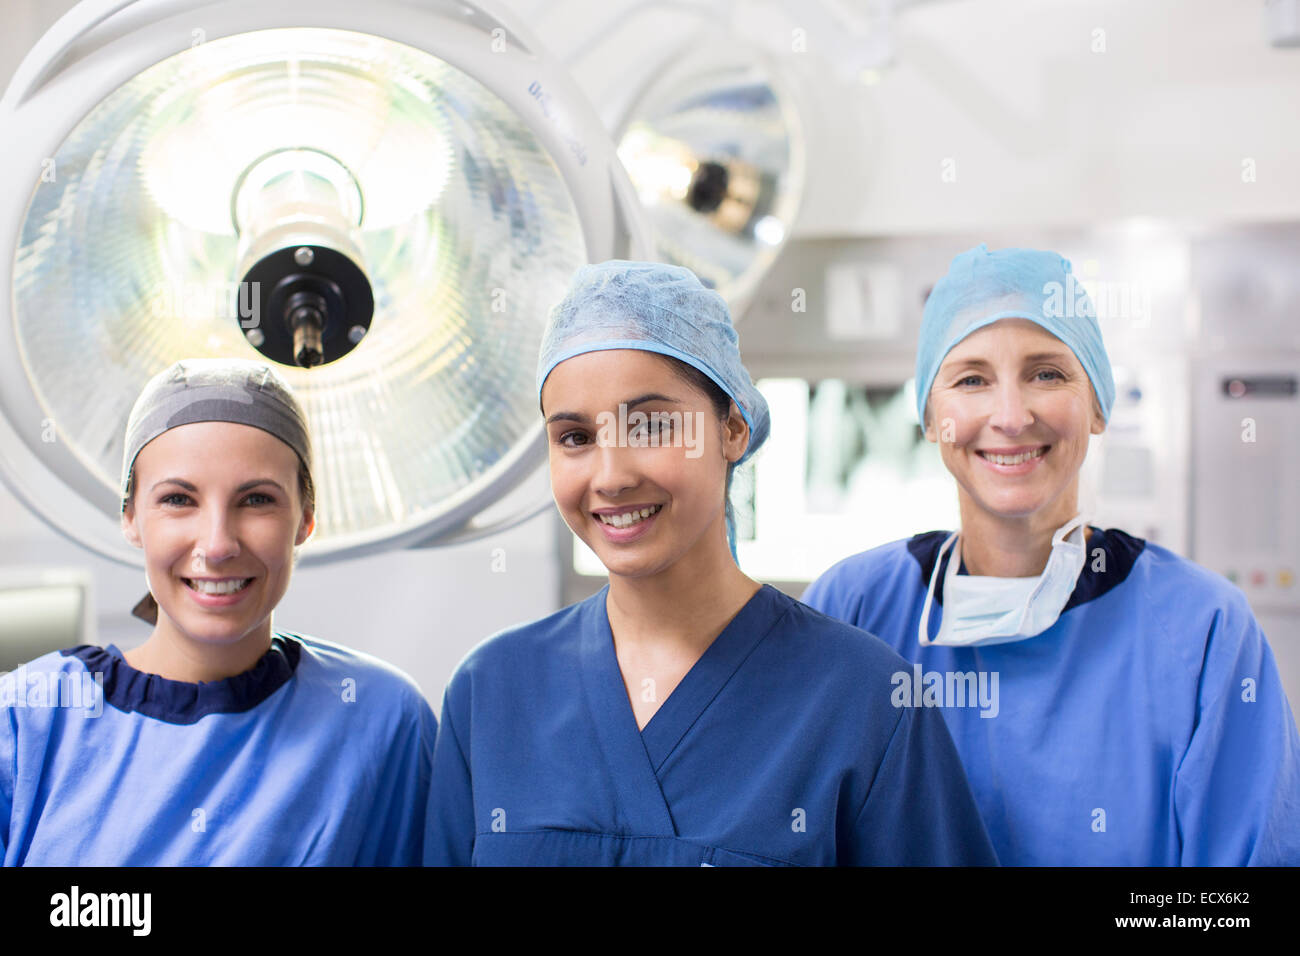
<point>318,755</point>
<point>779,747</point>
<point>1147,726</point>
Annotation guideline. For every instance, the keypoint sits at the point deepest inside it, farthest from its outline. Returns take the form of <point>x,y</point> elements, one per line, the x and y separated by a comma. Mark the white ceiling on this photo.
<point>1039,128</point>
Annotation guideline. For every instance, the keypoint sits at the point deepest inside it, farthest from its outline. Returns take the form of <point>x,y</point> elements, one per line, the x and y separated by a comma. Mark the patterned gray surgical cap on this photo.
<point>214,390</point>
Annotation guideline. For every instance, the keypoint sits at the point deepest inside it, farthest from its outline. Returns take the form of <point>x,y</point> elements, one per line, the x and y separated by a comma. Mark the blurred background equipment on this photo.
<point>43,610</point>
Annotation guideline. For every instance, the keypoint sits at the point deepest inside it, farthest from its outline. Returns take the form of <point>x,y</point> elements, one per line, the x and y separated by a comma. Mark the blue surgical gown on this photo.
<point>1147,726</point>
<point>318,755</point>
<point>778,747</point>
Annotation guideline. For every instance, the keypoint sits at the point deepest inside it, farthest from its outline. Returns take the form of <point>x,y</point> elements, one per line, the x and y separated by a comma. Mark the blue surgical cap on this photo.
<point>659,308</point>
<point>982,287</point>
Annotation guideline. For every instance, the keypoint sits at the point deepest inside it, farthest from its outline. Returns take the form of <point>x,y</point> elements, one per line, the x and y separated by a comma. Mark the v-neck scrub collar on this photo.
<point>643,752</point>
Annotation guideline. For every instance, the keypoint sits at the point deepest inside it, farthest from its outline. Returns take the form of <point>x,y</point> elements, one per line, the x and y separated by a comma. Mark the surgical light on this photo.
<point>715,151</point>
<point>383,199</point>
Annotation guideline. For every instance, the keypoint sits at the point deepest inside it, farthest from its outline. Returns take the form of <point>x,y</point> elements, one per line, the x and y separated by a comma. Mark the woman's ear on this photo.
<point>129,530</point>
<point>1098,419</point>
<point>307,526</point>
<point>735,435</point>
<point>928,426</point>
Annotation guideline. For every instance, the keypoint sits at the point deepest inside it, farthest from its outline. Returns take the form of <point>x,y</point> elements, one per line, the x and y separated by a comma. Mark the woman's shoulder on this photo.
<point>1205,619</point>
<point>36,693</point>
<point>55,666</point>
<point>849,585</point>
<point>1165,572</point>
<point>326,660</point>
<point>70,659</point>
<point>842,673</point>
<point>874,559</point>
<point>842,650</point>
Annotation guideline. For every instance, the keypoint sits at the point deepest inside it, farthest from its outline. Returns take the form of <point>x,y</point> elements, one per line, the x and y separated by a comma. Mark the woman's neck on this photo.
<point>998,546</point>
<point>171,654</point>
<point>687,604</point>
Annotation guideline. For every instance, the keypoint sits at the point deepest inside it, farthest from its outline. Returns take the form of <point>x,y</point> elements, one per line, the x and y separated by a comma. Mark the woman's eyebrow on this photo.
<point>1027,360</point>
<point>568,417</point>
<point>630,403</point>
<point>175,481</point>
<point>244,487</point>
<point>651,397</point>
<point>964,363</point>
<point>260,481</point>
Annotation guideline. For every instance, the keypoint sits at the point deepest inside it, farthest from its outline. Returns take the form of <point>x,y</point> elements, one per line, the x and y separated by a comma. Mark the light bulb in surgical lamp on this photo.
<point>298,215</point>
<point>662,171</point>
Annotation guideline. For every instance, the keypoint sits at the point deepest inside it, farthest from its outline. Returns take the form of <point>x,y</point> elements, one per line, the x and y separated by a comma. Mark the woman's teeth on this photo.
<point>219,587</point>
<point>630,518</point>
<point>1013,459</point>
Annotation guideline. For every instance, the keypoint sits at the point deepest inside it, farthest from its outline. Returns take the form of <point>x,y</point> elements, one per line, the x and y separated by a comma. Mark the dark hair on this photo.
<point>721,402</point>
<point>306,487</point>
<point>693,376</point>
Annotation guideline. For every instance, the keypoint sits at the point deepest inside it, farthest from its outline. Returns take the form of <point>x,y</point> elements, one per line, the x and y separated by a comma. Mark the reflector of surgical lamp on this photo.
<point>379,221</point>
<point>715,153</point>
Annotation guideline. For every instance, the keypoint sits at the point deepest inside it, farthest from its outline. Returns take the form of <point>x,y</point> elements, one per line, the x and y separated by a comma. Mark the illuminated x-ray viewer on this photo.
<point>382,199</point>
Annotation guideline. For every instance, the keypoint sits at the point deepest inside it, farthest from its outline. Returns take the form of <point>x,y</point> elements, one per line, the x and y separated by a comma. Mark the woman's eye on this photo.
<point>1051,372</point>
<point>176,499</point>
<point>970,380</point>
<point>575,435</point>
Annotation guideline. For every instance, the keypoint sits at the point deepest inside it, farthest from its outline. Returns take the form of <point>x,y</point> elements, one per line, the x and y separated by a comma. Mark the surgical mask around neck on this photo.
<point>981,610</point>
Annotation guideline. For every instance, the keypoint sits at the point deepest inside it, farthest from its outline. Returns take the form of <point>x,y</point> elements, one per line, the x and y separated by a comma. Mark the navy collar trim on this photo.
<point>180,702</point>
<point>1120,551</point>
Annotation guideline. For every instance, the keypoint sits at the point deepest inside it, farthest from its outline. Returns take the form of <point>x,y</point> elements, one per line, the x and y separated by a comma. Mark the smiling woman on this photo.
<point>218,554</point>
<point>1012,411</point>
<point>147,609</point>
<point>1145,721</point>
<point>685,715</point>
<point>220,740</point>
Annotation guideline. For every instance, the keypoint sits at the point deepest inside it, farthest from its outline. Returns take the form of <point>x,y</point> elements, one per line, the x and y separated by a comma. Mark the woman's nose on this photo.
<point>220,542</point>
<point>1010,413</point>
<point>614,473</point>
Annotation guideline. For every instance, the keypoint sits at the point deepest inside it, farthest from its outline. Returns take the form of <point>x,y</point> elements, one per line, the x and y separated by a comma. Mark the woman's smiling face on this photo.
<point>1012,410</point>
<point>678,474</point>
<point>217,505</point>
